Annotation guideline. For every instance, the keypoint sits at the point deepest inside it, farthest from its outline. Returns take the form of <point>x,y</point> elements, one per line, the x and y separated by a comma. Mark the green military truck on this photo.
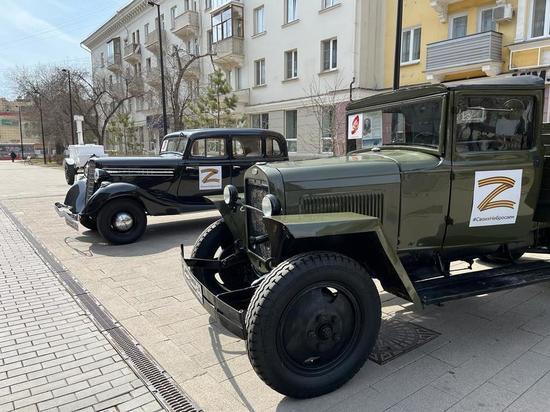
<point>441,173</point>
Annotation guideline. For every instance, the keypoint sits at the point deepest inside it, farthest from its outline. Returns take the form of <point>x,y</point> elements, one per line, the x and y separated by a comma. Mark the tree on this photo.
<point>215,106</point>
<point>122,133</point>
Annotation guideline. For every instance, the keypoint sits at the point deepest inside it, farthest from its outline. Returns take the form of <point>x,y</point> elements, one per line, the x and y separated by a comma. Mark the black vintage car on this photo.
<point>117,193</point>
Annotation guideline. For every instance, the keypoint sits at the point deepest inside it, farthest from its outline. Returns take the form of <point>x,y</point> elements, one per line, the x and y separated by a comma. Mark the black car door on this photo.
<point>206,170</point>
<point>245,151</point>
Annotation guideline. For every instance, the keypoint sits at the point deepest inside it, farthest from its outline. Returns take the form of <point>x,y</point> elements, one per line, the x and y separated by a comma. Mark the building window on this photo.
<point>458,26</point>
<point>540,18</point>
<point>291,130</point>
<point>291,10</point>
<point>291,64</point>
<point>329,49</point>
<point>327,130</point>
<point>486,20</point>
<point>410,45</point>
<point>173,12</point>
<point>209,40</point>
<point>259,20</point>
<point>260,121</point>
<point>102,59</point>
<point>227,23</point>
<point>259,72</point>
<point>146,32</point>
<point>330,3</point>
<point>238,78</point>
<point>207,4</point>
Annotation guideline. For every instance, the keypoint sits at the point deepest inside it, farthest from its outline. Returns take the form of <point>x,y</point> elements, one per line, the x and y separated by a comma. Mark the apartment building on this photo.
<point>291,63</point>
<point>445,40</point>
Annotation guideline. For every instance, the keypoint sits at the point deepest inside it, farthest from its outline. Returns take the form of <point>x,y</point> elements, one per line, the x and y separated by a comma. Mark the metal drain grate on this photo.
<point>397,338</point>
<point>160,383</point>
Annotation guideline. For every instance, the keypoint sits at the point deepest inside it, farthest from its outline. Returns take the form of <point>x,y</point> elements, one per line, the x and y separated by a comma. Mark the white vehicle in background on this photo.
<point>77,157</point>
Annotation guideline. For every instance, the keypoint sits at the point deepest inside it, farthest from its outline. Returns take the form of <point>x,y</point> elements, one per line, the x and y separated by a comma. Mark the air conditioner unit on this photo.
<point>503,13</point>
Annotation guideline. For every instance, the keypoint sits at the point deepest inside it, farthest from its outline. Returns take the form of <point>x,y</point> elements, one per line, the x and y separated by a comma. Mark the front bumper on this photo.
<point>228,308</point>
<point>71,219</point>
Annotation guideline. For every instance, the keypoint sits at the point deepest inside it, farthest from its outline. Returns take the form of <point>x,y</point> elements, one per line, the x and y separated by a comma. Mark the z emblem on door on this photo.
<point>210,177</point>
<point>496,197</point>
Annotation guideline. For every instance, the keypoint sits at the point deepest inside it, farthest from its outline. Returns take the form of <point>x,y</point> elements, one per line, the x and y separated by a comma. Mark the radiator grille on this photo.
<point>371,204</point>
<point>254,195</point>
<point>90,183</point>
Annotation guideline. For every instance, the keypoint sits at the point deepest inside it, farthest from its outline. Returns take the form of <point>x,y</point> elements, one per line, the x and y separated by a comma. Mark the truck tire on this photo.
<point>88,222</point>
<point>312,323</point>
<point>70,174</point>
<point>216,241</point>
<point>121,221</point>
<point>502,257</point>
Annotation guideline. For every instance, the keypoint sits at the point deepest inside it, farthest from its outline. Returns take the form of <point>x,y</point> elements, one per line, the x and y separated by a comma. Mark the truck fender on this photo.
<point>359,236</point>
<point>68,161</point>
<point>110,192</point>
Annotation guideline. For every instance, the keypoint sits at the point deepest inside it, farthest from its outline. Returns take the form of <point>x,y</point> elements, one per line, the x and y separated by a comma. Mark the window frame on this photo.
<point>173,16</point>
<point>333,3</point>
<point>293,55</point>
<point>411,46</point>
<point>481,10</point>
<point>205,157</point>
<point>451,24</point>
<point>255,14</point>
<point>258,80</point>
<point>261,123</point>
<point>288,20</point>
<point>331,54</point>
<point>546,29</point>
<point>258,138</point>
<point>331,137</point>
<point>292,139</point>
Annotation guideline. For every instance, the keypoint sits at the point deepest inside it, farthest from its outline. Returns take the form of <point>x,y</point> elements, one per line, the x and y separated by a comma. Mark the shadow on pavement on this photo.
<point>158,238</point>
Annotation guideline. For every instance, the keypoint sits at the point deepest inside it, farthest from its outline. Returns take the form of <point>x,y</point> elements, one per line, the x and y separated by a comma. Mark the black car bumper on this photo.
<point>229,308</point>
<point>71,219</point>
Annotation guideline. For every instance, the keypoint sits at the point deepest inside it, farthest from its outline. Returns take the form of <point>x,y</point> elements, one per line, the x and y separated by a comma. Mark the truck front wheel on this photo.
<point>312,324</point>
<point>121,221</point>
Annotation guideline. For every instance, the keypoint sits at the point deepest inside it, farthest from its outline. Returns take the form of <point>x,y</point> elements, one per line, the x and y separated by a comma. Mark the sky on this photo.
<point>34,32</point>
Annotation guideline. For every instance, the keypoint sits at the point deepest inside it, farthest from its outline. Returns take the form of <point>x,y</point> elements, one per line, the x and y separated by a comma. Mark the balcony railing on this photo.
<point>152,77</point>
<point>186,25</point>
<point>114,62</point>
<point>136,85</point>
<point>152,40</point>
<point>132,53</point>
<point>229,52</point>
<point>481,51</point>
<point>193,69</point>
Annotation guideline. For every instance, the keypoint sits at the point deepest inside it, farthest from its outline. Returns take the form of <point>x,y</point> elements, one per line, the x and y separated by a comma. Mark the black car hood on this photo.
<point>168,161</point>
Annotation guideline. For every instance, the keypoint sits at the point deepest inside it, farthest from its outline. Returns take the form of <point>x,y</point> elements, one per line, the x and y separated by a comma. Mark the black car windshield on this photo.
<point>174,144</point>
<point>416,124</point>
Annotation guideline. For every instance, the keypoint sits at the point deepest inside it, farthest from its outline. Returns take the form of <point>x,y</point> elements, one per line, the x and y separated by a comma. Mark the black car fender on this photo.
<point>76,196</point>
<point>114,191</point>
<point>358,236</point>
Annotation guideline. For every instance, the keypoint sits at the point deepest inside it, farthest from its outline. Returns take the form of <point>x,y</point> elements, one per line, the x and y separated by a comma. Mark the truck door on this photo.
<point>496,168</point>
<point>206,171</point>
<point>246,151</point>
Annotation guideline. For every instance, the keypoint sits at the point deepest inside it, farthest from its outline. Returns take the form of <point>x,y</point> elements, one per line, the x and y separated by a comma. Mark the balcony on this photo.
<point>229,53</point>
<point>132,53</point>
<point>136,86</point>
<point>152,77</point>
<point>186,25</point>
<point>474,53</point>
<point>152,41</point>
<point>117,90</point>
<point>530,55</point>
<point>192,72</point>
<point>114,62</point>
<point>243,96</point>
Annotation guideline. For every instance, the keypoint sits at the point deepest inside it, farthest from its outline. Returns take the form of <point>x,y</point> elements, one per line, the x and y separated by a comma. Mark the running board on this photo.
<point>439,290</point>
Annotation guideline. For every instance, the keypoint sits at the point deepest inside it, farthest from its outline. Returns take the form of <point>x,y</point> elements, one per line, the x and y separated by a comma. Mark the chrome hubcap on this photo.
<point>123,221</point>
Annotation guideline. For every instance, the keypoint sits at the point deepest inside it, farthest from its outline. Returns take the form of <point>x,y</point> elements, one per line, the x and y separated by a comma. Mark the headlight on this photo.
<point>230,195</point>
<point>86,170</point>
<point>96,175</point>
<point>271,206</point>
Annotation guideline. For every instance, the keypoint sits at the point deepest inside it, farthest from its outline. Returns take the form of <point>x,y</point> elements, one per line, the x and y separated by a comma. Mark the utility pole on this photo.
<point>68,72</point>
<point>161,60</point>
<point>398,36</point>
<point>21,134</point>
<point>39,96</point>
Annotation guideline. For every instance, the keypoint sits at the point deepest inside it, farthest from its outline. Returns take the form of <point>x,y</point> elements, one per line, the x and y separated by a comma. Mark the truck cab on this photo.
<point>435,174</point>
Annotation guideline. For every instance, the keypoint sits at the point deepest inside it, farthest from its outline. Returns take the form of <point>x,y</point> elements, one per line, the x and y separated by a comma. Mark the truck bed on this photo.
<point>543,206</point>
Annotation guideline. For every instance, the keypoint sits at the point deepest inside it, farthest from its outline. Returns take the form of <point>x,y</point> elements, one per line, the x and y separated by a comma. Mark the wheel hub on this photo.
<point>123,221</point>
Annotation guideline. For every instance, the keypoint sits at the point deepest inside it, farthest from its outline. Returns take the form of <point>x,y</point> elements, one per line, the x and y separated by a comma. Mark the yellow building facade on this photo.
<point>445,40</point>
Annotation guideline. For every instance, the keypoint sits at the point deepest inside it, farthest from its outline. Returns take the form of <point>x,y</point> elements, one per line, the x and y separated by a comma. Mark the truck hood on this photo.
<point>164,161</point>
<point>384,162</point>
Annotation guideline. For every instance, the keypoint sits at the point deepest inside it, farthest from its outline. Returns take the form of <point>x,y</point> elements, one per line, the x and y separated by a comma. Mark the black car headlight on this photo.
<point>230,195</point>
<point>271,205</point>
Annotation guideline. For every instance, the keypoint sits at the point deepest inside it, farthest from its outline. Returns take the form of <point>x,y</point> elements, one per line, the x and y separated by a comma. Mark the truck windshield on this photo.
<point>415,124</point>
<point>174,144</point>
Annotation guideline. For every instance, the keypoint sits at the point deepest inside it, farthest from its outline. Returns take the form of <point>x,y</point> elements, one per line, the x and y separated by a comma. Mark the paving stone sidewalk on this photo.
<point>52,357</point>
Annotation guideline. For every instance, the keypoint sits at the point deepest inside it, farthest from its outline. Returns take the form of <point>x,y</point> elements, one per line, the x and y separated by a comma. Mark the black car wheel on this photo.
<point>502,256</point>
<point>70,174</point>
<point>312,324</point>
<point>88,222</point>
<point>121,221</point>
<point>216,242</point>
